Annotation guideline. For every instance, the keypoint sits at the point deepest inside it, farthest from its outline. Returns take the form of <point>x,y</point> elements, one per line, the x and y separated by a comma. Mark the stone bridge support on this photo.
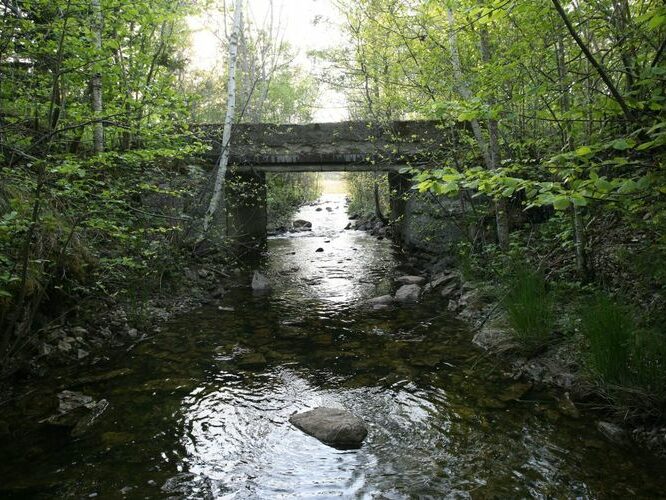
<point>245,204</point>
<point>399,185</point>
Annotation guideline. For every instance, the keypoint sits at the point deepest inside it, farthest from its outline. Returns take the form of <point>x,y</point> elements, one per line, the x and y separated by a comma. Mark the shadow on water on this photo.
<point>202,410</point>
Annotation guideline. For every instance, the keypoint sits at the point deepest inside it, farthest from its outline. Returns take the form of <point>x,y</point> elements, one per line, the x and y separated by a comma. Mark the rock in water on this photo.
<point>408,293</point>
<point>411,280</point>
<point>332,426</point>
<point>252,361</point>
<point>260,282</point>
<point>300,223</point>
<point>382,300</point>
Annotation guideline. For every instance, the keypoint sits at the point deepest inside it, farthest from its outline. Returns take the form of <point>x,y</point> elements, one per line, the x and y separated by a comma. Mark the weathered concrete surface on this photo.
<point>350,146</point>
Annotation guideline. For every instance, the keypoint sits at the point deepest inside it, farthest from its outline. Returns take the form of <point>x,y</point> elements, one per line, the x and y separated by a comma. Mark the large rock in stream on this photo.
<point>332,426</point>
<point>408,293</point>
<point>411,280</point>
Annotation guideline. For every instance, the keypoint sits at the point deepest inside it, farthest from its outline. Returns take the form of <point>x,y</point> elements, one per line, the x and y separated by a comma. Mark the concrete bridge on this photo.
<point>319,147</point>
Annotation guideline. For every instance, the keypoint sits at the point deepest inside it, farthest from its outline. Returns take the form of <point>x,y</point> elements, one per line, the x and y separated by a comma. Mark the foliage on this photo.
<point>620,350</point>
<point>556,114</point>
<point>361,192</point>
<point>287,192</point>
<point>74,220</point>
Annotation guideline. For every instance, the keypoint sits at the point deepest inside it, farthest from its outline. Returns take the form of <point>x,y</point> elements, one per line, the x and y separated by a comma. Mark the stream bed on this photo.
<point>201,410</point>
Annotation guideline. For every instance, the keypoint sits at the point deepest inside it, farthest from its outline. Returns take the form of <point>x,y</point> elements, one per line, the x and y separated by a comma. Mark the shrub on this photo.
<point>529,307</point>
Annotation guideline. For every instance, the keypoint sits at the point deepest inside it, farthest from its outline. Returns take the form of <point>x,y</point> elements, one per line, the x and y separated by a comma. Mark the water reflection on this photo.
<point>340,273</point>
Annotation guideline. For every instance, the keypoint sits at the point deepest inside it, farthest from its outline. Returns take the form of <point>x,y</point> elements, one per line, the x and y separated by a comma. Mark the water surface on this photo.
<point>188,421</point>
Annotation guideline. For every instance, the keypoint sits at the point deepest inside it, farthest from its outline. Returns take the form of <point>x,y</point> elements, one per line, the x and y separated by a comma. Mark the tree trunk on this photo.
<point>231,110</point>
<point>568,144</point>
<point>501,211</point>
<point>96,81</point>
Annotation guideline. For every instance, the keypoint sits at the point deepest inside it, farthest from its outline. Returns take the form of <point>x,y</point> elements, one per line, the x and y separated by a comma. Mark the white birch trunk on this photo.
<point>96,81</point>
<point>231,110</point>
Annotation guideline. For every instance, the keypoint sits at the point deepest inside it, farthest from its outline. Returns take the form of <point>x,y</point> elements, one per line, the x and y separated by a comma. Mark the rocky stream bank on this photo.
<point>556,369</point>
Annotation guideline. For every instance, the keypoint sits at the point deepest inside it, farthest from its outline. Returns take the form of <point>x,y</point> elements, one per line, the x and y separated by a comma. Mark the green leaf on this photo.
<point>561,203</point>
<point>579,200</point>
<point>584,151</point>
<point>623,144</point>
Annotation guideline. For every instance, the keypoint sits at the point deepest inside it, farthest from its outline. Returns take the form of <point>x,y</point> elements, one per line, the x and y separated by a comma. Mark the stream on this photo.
<point>189,419</point>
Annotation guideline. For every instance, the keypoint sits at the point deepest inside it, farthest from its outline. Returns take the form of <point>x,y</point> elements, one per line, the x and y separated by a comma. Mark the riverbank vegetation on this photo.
<point>287,192</point>
<point>556,110</point>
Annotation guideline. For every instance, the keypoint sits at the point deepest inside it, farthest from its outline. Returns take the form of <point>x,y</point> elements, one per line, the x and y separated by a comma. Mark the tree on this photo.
<point>223,160</point>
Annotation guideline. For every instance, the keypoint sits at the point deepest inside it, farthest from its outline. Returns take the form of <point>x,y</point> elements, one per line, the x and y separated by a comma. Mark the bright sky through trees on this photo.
<point>305,24</point>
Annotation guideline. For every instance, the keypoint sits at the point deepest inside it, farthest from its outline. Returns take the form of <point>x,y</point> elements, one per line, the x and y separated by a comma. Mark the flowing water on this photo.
<point>189,420</point>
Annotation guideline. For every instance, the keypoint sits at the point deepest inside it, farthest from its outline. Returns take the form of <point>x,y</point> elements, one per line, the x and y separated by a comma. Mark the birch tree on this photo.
<point>228,120</point>
<point>96,81</point>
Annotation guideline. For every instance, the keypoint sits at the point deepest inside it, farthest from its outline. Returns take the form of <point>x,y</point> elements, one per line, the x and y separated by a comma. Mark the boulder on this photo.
<point>301,224</point>
<point>382,300</point>
<point>411,280</point>
<point>408,293</point>
<point>442,279</point>
<point>332,426</point>
<point>449,290</point>
<point>260,282</point>
<point>614,433</point>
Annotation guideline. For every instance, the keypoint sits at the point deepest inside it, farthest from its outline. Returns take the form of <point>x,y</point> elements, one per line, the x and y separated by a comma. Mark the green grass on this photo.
<point>608,328</point>
<point>529,307</point>
<point>648,361</point>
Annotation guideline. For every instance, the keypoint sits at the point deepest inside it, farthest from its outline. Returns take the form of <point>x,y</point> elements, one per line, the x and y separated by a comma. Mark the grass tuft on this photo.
<point>608,328</point>
<point>529,307</point>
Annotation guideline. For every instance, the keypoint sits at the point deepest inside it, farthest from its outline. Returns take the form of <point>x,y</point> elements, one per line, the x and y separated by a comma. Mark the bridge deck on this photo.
<point>344,146</point>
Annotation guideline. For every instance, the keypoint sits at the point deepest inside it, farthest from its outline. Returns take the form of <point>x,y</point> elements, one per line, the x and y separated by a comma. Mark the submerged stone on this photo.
<point>91,379</point>
<point>332,426</point>
<point>253,360</point>
<point>515,392</point>
<point>260,283</point>
<point>382,300</point>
